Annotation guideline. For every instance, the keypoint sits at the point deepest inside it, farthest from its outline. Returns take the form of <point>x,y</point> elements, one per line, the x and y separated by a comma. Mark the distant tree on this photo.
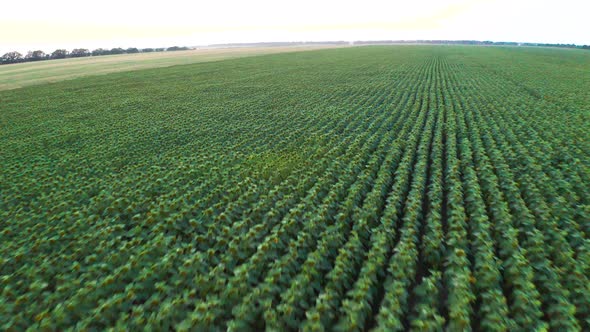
<point>160,49</point>
<point>117,50</point>
<point>35,55</point>
<point>59,54</point>
<point>79,52</point>
<point>12,57</point>
<point>99,51</point>
<point>146,50</point>
<point>176,48</point>
<point>132,50</point>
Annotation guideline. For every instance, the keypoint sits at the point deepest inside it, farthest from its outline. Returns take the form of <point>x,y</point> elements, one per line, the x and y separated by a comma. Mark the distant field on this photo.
<point>32,73</point>
<point>381,188</point>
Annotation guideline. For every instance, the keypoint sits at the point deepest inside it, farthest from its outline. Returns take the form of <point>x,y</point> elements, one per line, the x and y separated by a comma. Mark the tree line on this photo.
<point>467,42</point>
<point>39,55</point>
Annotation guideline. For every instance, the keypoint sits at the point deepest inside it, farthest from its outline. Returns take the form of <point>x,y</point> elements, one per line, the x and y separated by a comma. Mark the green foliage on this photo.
<point>371,188</point>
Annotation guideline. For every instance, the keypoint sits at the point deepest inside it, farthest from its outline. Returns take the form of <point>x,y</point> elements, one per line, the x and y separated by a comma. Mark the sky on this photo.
<point>51,24</point>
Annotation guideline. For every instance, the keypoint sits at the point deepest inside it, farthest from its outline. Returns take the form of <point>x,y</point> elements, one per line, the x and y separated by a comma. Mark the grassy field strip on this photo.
<point>33,73</point>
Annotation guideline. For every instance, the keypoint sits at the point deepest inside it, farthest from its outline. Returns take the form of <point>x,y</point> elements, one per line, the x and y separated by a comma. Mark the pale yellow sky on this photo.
<point>47,25</point>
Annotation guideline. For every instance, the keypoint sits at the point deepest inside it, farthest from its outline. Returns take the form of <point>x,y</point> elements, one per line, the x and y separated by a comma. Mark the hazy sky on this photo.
<point>51,24</point>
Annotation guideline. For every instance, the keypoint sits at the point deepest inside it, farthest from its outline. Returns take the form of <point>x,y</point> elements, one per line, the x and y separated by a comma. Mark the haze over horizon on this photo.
<point>70,24</point>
